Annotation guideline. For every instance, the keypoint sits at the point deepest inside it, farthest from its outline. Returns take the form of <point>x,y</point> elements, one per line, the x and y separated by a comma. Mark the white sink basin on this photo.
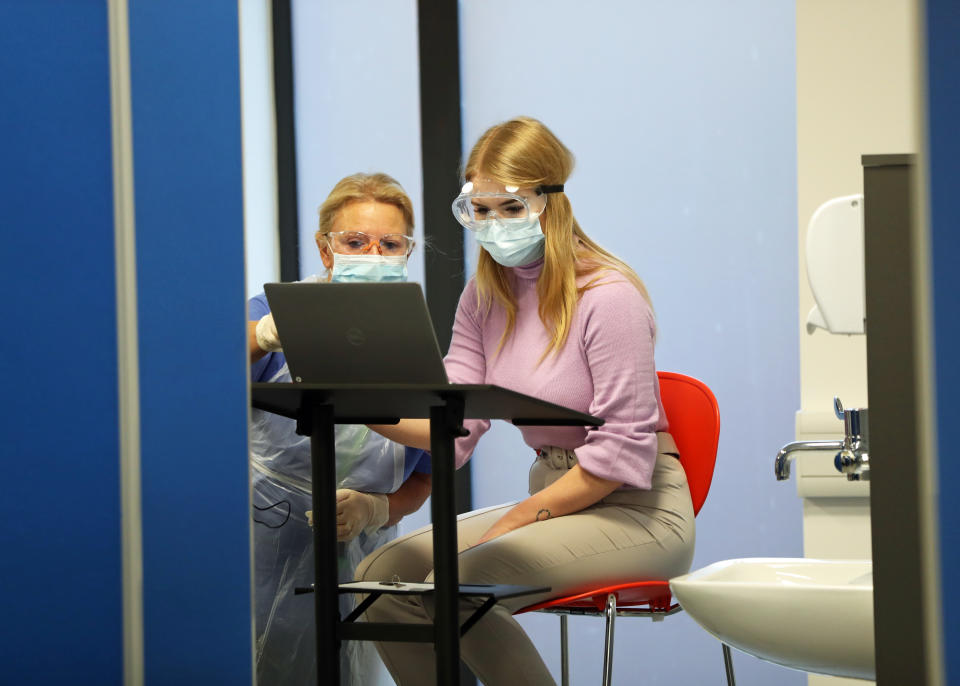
<point>814,615</point>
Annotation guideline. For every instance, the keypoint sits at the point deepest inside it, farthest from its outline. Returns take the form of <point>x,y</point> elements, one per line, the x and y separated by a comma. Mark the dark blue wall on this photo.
<point>60,538</point>
<point>943,28</point>
<point>60,570</point>
<point>193,371</point>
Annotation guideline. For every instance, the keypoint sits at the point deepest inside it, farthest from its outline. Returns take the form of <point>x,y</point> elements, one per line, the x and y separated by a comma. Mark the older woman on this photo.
<point>553,315</point>
<point>365,232</point>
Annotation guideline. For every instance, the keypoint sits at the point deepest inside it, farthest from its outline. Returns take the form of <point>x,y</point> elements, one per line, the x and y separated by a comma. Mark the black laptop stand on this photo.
<point>317,409</point>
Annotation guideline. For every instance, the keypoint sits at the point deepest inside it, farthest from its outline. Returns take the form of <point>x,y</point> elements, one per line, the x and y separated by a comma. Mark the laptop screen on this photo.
<point>356,333</point>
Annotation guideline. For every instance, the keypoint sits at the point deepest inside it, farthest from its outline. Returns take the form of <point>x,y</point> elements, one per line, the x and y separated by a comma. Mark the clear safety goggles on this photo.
<point>360,243</point>
<point>478,205</point>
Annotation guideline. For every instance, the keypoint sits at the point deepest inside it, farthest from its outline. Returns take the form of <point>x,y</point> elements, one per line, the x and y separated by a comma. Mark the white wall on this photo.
<point>855,96</point>
<point>682,118</point>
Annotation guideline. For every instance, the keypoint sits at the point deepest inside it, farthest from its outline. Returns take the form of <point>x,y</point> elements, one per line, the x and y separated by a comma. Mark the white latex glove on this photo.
<point>267,337</point>
<point>358,512</point>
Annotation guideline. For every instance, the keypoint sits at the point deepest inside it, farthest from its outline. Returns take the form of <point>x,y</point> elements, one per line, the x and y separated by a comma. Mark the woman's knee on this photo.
<point>362,572</point>
<point>409,558</point>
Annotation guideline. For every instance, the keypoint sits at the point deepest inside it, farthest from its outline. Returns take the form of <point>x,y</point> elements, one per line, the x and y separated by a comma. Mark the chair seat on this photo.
<point>694,420</point>
<point>656,594</point>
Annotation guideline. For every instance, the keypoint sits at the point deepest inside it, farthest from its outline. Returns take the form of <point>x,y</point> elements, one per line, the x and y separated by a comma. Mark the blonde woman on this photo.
<point>553,315</point>
<point>366,224</point>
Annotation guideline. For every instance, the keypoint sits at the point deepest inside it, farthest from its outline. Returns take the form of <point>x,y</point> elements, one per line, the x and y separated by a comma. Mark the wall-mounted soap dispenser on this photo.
<point>835,266</point>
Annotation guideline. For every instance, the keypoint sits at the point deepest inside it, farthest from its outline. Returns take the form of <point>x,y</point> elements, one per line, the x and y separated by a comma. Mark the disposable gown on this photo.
<point>283,548</point>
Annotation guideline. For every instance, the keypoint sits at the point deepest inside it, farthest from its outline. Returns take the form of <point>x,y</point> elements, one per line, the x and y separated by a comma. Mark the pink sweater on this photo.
<point>605,368</point>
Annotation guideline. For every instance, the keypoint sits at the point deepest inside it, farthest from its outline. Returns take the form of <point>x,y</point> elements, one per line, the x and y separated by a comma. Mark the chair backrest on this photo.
<point>694,418</point>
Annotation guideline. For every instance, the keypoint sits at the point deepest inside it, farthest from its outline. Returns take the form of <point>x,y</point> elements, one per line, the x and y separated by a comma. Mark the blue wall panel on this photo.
<point>682,117</point>
<point>943,26</point>
<point>59,515</point>
<point>192,310</point>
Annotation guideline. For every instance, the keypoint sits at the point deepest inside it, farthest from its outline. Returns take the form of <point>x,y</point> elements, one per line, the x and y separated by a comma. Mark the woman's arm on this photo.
<point>409,497</point>
<point>412,432</point>
<point>572,492</point>
<point>465,363</point>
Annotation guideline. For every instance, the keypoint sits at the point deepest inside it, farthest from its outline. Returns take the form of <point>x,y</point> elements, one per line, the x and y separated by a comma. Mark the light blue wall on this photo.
<point>357,101</point>
<point>261,246</point>
<point>357,98</point>
<point>682,118</point>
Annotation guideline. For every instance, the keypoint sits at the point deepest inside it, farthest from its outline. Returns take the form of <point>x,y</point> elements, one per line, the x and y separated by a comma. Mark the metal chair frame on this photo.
<point>610,612</point>
<point>626,600</point>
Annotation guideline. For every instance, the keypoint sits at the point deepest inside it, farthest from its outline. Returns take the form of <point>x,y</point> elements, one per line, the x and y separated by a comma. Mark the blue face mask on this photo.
<point>368,268</point>
<point>513,245</point>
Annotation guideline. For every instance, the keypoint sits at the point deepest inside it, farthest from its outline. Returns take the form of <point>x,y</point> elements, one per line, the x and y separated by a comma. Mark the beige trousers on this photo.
<point>629,535</point>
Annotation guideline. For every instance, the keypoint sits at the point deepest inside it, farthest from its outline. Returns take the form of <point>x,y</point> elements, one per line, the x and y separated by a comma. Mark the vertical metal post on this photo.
<point>325,596</point>
<point>441,142</point>
<point>728,665</point>
<point>288,223</point>
<point>564,653</point>
<point>440,149</point>
<point>898,493</point>
<point>611,615</point>
<point>445,423</point>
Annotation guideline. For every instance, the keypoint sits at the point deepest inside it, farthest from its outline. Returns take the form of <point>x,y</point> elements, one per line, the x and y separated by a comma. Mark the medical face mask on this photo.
<point>368,268</point>
<point>512,244</point>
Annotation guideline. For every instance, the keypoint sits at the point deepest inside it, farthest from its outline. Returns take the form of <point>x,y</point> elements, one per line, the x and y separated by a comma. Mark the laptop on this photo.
<point>356,333</point>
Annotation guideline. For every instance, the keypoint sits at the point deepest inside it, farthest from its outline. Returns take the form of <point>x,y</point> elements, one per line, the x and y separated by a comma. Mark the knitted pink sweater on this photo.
<point>605,368</point>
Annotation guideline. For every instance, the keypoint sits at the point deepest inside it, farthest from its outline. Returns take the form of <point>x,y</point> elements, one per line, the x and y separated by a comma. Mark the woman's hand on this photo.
<point>572,492</point>
<point>505,524</point>
<point>358,512</point>
<point>262,337</point>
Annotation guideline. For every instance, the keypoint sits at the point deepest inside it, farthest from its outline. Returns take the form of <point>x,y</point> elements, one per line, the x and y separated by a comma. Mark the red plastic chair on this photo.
<point>694,419</point>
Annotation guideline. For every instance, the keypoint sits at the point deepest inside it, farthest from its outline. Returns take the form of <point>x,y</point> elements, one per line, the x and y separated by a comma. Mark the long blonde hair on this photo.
<point>524,152</point>
<point>361,187</point>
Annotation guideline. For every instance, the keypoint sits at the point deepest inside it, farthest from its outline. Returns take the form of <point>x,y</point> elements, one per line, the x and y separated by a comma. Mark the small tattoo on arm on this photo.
<point>543,514</point>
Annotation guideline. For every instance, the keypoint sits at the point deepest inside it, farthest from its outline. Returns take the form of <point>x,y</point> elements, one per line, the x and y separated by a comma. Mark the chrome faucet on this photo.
<point>854,459</point>
<point>852,456</point>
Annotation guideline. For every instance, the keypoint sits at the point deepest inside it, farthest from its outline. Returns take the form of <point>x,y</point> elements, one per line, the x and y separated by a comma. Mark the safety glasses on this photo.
<point>510,205</point>
<point>360,243</point>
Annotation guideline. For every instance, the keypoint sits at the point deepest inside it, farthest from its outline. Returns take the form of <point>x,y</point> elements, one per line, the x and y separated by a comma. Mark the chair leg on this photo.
<point>564,655</point>
<point>728,665</point>
<point>611,615</point>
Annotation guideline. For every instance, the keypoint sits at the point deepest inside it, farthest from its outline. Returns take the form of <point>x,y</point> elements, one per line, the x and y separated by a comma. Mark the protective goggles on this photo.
<point>360,243</point>
<point>477,209</point>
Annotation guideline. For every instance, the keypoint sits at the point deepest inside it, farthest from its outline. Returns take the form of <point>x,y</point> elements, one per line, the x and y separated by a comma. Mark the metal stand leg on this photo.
<point>564,654</point>
<point>728,665</point>
<point>611,615</point>
<point>445,423</point>
<point>325,596</point>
